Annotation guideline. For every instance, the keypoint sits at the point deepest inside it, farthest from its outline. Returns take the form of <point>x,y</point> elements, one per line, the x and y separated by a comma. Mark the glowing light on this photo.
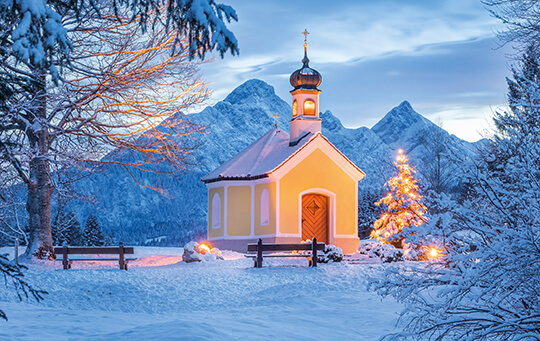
<point>204,248</point>
<point>433,252</point>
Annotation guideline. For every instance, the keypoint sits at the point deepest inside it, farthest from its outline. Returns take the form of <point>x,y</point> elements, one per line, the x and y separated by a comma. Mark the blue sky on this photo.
<point>440,55</point>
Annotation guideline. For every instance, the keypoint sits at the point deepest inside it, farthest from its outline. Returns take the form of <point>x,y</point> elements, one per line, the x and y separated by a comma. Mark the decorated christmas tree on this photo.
<point>403,205</point>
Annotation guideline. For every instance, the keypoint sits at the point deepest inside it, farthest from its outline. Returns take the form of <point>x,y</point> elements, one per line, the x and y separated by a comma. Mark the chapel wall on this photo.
<point>318,171</point>
<point>239,210</point>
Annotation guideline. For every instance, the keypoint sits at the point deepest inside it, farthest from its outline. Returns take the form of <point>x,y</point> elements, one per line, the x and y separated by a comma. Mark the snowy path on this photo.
<point>220,300</point>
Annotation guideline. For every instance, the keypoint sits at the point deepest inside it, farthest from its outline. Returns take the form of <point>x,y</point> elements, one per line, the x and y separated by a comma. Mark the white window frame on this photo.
<point>216,211</point>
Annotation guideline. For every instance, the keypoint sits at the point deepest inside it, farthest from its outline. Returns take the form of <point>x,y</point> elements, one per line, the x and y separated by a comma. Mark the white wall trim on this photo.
<point>277,232</point>
<point>248,237</point>
<point>225,200</point>
<point>252,230</point>
<point>356,210</point>
<point>294,235</point>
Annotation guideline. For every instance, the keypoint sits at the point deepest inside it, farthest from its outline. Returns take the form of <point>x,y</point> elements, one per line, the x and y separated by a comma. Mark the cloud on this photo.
<point>372,55</point>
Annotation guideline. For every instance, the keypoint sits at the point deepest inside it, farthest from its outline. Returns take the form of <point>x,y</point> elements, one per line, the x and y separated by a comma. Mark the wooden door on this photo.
<point>315,217</point>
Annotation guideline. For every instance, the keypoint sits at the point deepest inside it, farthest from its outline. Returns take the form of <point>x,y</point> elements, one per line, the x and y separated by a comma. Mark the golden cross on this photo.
<point>305,33</point>
<point>276,117</point>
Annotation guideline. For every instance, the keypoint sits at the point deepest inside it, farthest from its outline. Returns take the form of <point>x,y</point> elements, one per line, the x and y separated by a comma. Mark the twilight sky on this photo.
<point>441,56</point>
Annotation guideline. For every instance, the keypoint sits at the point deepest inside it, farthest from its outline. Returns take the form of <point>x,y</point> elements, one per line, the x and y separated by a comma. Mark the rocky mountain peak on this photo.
<point>251,89</point>
<point>398,124</point>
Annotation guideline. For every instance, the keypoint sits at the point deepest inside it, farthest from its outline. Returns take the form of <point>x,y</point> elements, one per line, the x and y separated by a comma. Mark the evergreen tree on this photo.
<point>439,162</point>
<point>486,284</point>
<point>67,229</point>
<point>368,211</point>
<point>93,234</point>
<point>403,205</point>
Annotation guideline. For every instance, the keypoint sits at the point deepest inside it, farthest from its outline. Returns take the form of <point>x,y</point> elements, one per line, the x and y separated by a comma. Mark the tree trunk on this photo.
<point>40,184</point>
<point>38,206</point>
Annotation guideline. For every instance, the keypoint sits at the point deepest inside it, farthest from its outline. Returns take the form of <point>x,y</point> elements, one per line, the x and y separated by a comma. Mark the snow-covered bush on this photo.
<point>331,253</point>
<point>486,284</point>
<point>387,253</point>
<point>195,252</point>
<point>365,247</point>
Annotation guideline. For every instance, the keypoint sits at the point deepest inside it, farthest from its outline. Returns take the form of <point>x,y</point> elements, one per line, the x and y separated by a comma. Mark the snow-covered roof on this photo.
<point>267,155</point>
<point>260,158</point>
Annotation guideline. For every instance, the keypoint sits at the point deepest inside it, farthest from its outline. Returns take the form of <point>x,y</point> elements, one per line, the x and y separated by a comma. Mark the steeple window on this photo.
<point>309,107</point>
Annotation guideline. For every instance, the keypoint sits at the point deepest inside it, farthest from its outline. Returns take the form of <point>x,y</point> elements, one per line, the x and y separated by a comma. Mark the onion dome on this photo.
<point>306,77</point>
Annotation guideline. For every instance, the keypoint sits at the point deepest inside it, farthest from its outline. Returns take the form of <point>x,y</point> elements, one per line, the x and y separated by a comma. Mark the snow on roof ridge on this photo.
<point>263,153</point>
<point>259,158</point>
<point>300,147</point>
<point>239,157</point>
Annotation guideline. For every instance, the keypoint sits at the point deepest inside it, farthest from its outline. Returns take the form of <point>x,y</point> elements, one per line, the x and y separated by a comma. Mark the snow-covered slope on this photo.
<point>135,214</point>
<point>403,127</point>
<point>163,298</point>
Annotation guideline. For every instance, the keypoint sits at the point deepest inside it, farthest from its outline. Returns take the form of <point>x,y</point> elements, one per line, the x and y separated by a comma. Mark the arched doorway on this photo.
<point>315,217</point>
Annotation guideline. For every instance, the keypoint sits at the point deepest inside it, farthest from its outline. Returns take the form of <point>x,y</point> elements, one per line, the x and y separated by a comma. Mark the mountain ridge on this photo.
<point>135,214</point>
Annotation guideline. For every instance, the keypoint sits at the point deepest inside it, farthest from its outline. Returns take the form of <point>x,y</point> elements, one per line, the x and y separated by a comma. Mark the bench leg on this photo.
<point>314,252</point>
<point>66,264</point>
<point>259,254</point>
<point>65,260</point>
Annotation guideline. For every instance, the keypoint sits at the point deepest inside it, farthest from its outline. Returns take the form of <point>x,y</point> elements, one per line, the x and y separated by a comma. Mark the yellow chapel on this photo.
<point>287,187</point>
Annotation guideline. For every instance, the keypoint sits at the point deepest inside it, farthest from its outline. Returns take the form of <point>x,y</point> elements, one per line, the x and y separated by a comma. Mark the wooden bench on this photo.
<point>119,250</point>
<point>260,248</point>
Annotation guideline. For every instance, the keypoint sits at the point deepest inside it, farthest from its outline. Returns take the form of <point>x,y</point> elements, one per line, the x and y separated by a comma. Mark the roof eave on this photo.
<point>235,178</point>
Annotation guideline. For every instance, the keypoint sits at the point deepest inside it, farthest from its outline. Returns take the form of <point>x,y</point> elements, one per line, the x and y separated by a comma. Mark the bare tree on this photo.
<point>521,20</point>
<point>13,276</point>
<point>122,90</point>
<point>12,218</point>
<point>439,165</point>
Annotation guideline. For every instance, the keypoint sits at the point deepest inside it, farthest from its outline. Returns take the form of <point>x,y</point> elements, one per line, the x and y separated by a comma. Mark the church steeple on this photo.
<point>305,106</point>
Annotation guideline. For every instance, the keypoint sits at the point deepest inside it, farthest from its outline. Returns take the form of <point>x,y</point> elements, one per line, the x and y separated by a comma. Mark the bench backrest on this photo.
<point>91,250</point>
<point>285,247</point>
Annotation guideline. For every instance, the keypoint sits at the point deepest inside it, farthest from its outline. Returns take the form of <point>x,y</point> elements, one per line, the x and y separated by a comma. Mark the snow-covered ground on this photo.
<point>163,298</point>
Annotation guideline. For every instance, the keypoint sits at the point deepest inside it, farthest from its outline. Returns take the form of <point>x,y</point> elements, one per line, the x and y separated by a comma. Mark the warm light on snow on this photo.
<point>154,302</point>
<point>204,248</point>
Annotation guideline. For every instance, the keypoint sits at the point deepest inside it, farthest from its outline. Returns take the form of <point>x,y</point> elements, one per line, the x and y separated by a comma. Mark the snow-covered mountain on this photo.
<point>136,214</point>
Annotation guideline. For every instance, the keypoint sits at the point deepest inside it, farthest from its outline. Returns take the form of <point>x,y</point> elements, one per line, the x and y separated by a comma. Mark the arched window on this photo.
<point>309,107</point>
<point>265,208</point>
<point>294,108</point>
<point>216,211</point>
